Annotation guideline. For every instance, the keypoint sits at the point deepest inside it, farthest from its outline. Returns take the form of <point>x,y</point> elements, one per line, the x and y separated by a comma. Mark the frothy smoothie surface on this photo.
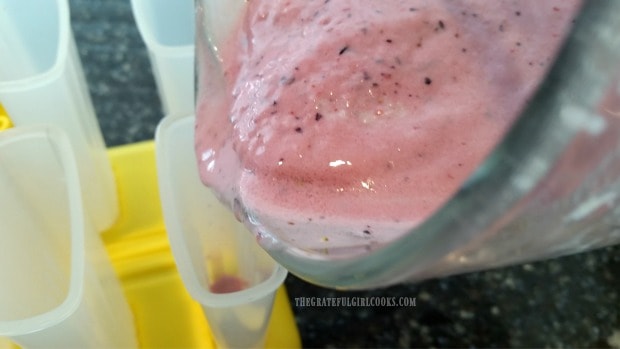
<point>345,123</point>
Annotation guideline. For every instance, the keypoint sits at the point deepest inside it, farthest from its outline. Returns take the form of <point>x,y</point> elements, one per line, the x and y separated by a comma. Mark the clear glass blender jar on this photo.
<point>550,188</point>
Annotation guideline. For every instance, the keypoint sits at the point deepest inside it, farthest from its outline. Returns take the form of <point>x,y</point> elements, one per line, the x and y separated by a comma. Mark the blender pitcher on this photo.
<point>551,187</point>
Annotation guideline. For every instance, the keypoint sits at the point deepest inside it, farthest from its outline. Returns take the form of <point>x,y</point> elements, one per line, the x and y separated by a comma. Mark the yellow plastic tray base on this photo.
<point>5,122</point>
<point>165,314</point>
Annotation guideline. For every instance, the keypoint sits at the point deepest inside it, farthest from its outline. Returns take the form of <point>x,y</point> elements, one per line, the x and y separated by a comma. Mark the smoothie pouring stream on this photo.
<point>344,123</point>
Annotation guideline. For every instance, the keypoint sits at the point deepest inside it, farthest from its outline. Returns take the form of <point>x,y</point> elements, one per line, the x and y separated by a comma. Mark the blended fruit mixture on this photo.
<point>345,123</point>
<point>228,284</point>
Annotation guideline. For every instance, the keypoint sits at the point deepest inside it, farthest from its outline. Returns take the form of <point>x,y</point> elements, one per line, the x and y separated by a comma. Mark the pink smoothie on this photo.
<point>345,123</point>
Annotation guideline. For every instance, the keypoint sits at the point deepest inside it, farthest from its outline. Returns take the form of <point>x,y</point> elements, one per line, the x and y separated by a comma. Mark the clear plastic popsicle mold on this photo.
<point>221,264</point>
<point>58,287</point>
<point>42,82</point>
<point>167,28</point>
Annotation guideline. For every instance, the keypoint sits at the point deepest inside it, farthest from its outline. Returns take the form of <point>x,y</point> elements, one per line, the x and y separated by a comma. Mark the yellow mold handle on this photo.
<point>5,121</point>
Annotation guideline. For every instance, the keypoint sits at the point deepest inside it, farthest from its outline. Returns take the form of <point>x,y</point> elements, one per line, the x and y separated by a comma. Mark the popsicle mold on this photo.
<point>208,244</point>
<point>167,28</point>
<point>42,82</point>
<point>59,289</point>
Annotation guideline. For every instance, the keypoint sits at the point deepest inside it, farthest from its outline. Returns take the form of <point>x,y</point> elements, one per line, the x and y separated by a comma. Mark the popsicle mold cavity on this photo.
<point>58,287</point>
<point>167,28</point>
<point>42,82</point>
<point>222,266</point>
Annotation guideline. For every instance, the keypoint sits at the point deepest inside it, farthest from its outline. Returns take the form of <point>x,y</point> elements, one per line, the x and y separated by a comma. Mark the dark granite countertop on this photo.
<point>566,302</point>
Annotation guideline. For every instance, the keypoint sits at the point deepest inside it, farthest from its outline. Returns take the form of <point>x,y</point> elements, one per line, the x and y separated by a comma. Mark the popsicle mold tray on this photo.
<point>165,315</point>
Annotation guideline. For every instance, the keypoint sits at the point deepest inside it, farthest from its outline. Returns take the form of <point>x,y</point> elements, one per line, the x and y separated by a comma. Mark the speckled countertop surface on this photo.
<point>567,302</point>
